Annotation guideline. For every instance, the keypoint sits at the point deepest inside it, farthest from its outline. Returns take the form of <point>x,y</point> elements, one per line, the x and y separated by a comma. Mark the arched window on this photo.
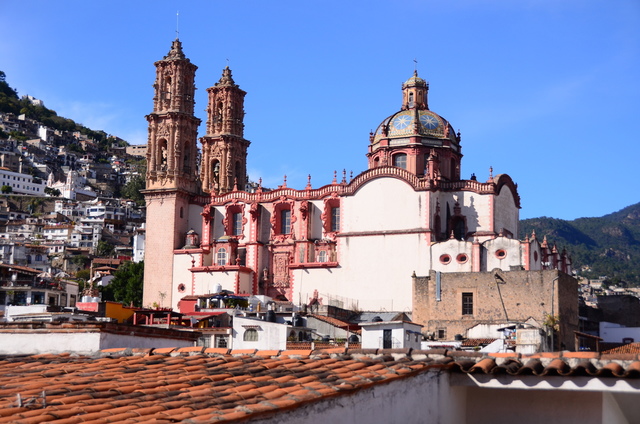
<point>221,257</point>
<point>411,102</point>
<point>250,335</point>
<point>322,256</point>
<point>400,160</point>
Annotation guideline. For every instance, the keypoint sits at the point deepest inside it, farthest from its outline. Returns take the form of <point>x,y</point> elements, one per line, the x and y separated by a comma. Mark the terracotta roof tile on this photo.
<point>164,385</point>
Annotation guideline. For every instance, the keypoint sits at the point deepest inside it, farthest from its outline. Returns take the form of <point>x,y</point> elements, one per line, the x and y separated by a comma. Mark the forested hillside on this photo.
<point>606,246</point>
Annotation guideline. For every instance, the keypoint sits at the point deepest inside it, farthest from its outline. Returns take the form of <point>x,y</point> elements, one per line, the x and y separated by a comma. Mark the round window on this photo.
<point>462,258</point>
<point>501,254</point>
<point>445,259</point>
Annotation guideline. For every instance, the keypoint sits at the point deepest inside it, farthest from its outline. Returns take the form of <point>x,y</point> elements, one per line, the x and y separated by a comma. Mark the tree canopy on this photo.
<point>126,285</point>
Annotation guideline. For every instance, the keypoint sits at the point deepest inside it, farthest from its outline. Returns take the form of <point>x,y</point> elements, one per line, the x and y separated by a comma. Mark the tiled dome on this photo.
<point>403,124</point>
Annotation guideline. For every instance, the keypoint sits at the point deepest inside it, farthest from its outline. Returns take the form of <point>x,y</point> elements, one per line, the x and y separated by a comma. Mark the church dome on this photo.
<point>414,123</point>
<point>414,119</point>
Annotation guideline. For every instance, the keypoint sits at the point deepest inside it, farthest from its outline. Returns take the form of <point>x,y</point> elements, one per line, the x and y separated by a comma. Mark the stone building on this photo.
<point>448,304</point>
<point>362,239</point>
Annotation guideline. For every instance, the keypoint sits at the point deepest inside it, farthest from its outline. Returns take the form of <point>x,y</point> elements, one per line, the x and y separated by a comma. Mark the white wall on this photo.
<point>614,333</point>
<point>80,342</point>
<point>271,335</point>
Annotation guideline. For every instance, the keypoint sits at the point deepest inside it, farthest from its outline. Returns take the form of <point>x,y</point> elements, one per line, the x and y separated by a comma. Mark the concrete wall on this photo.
<point>425,398</point>
<point>271,335</point>
<point>83,339</point>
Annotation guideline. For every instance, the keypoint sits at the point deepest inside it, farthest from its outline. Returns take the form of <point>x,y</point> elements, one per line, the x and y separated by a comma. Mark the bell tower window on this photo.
<point>412,103</point>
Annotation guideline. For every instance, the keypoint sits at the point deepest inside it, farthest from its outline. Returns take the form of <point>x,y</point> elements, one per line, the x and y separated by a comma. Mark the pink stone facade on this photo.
<point>356,240</point>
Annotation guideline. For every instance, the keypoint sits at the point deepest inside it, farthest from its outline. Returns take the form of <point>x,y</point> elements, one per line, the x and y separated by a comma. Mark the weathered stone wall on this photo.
<point>498,297</point>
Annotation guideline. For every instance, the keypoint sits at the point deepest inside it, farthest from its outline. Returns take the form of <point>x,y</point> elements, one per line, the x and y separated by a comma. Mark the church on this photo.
<point>358,241</point>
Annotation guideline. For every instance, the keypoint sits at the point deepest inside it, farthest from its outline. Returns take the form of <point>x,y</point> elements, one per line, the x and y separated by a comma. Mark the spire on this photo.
<point>226,78</point>
<point>176,52</point>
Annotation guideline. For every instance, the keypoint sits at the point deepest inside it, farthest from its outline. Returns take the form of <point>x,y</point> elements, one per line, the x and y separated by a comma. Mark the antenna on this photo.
<point>177,24</point>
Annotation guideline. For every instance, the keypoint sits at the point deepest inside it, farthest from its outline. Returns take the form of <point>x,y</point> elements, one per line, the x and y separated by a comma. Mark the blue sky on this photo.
<point>545,91</point>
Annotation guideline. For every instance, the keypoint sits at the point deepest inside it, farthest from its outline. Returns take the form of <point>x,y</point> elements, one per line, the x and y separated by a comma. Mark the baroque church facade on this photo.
<point>357,241</point>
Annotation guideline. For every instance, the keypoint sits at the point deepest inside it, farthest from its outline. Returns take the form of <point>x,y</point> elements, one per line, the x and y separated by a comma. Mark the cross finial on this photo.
<point>415,66</point>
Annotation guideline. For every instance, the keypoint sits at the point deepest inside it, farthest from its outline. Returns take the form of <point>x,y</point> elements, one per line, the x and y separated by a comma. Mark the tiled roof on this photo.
<point>215,385</point>
<point>477,342</point>
<point>633,348</point>
<point>335,322</point>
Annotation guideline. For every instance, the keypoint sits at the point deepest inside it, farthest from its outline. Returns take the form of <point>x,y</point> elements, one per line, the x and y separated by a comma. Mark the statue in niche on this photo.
<point>163,162</point>
<point>216,173</point>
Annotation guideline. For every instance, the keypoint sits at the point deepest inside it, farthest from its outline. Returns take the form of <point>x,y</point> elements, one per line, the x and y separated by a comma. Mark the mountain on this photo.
<point>605,246</point>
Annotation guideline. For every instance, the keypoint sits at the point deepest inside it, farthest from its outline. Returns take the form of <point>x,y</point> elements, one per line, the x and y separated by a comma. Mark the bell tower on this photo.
<point>172,177</point>
<point>172,150</point>
<point>224,148</point>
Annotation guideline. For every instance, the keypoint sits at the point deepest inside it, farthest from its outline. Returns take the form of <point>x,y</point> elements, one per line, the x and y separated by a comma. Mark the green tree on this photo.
<point>105,249</point>
<point>6,189</point>
<point>53,192</point>
<point>126,285</point>
<point>131,190</point>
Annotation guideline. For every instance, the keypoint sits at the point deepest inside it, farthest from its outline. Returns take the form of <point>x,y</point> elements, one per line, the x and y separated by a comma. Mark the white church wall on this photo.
<point>206,282</point>
<point>506,212</point>
<point>195,219</point>
<point>502,253</point>
<point>374,270</point>
<point>453,256</point>
<point>384,204</point>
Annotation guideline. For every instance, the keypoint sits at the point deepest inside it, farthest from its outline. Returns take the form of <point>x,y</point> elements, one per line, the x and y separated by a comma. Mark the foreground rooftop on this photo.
<point>216,385</point>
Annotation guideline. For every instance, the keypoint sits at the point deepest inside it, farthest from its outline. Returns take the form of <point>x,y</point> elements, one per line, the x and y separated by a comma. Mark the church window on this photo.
<point>467,303</point>
<point>236,224</point>
<point>462,258</point>
<point>322,256</point>
<point>221,257</point>
<point>501,254</point>
<point>250,335</point>
<point>400,160</point>
<point>459,229</point>
<point>411,102</point>
<point>335,219</point>
<point>445,259</point>
<point>285,221</point>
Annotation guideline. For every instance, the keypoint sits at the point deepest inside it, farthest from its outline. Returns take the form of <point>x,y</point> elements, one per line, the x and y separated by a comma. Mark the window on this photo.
<point>322,256</point>
<point>335,219</point>
<point>285,221</point>
<point>400,160</point>
<point>236,224</point>
<point>467,303</point>
<point>250,335</point>
<point>442,333</point>
<point>221,257</point>
<point>223,341</point>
